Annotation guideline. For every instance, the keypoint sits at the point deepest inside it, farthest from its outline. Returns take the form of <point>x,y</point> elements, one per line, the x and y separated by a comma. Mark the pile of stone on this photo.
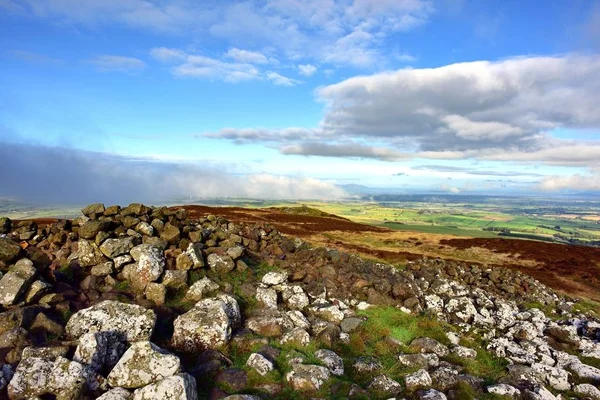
<point>139,303</point>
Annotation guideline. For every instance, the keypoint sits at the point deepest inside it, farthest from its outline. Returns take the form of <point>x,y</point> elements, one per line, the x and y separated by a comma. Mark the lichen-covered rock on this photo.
<point>297,336</point>
<point>259,363</point>
<point>327,311</point>
<point>267,297</point>
<point>63,378</point>
<point>220,264</point>
<point>9,250</point>
<point>207,325</point>
<point>156,293</point>
<point>384,386</point>
<point>116,394</point>
<point>201,289</point>
<point>431,394</point>
<point>274,278</point>
<point>503,389</point>
<point>428,345</point>
<point>366,366</point>
<point>113,248</point>
<point>463,352</point>
<point>556,378</point>
<point>16,281</point>
<point>298,319</point>
<point>194,252</point>
<point>444,378</point>
<point>419,360</point>
<point>142,364</point>
<point>93,210</point>
<point>177,387</point>
<point>587,391</point>
<point>417,380</point>
<point>99,351</point>
<point>585,372</point>
<point>331,360</point>
<point>307,378</point>
<point>151,264</point>
<point>90,229</point>
<point>133,322</point>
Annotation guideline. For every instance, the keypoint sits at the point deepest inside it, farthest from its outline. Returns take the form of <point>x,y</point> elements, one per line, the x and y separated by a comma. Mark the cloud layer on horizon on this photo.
<point>52,175</point>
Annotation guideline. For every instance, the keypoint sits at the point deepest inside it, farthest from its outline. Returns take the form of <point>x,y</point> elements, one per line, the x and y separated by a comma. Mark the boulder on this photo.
<point>267,297</point>
<point>307,378</point>
<point>503,389</point>
<point>220,264</point>
<point>177,387</point>
<point>384,386</point>
<point>156,293</point>
<point>585,372</point>
<point>88,254</point>
<point>6,374</point>
<point>428,345</point>
<point>93,210</point>
<point>91,228</point>
<point>431,394</point>
<point>296,336</point>
<point>16,282</point>
<point>587,391</point>
<point>417,380</point>
<point>274,278</point>
<point>201,289</point>
<point>116,394</point>
<point>130,321</point>
<point>9,250</point>
<point>151,264</point>
<point>113,248</point>
<point>194,252</point>
<point>142,364</point>
<point>5,225</point>
<point>99,351</point>
<point>331,360</point>
<point>207,325</point>
<point>62,378</point>
<point>260,363</point>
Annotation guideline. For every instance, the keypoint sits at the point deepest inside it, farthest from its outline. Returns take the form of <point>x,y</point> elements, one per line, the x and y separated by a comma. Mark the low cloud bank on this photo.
<point>51,175</point>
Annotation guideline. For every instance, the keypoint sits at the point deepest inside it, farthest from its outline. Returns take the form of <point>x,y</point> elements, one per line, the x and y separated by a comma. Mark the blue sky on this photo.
<point>292,98</point>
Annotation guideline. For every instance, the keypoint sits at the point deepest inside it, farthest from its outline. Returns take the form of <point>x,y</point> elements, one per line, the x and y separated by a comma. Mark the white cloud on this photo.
<point>281,80</point>
<point>498,111</point>
<point>307,69</point>
<point>203,67</point>
<point>344,32</point>
<point>117,63</point>
<point>246,56</point>
<point>571,182</point>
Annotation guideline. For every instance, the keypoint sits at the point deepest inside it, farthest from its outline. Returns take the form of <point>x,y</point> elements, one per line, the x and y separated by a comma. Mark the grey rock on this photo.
<point>503,389</point>
<point>142,364</point>
<point>587,391</point>
<point>428,345</point>
<point>307,378</point>
<point>274,278</point>
<point>417,380</point>
<point>350,324</point>
<point>132,322</point>
<point>220,264</point>
<point>9,250</point>
<point>16,282</point>
<point>116,394</point>
<point>260,363</point>
<point>382,385</point>
<point>177,387</point>
<point>113,248</point>
<point>331,360</point>
<point>207,325</point>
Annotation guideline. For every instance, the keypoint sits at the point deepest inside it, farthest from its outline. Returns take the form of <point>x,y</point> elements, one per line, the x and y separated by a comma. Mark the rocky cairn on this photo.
<point>148,303</point>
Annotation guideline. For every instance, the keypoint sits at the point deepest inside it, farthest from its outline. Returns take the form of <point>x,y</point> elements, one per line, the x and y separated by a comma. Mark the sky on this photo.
<point>137,100</point>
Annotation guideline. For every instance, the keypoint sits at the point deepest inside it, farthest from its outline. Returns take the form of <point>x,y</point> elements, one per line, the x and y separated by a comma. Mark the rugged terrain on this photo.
<point>158,303</point>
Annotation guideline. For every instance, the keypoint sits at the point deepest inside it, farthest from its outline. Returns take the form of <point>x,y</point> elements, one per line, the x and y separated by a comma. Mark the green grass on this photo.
<point>402,326</point>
